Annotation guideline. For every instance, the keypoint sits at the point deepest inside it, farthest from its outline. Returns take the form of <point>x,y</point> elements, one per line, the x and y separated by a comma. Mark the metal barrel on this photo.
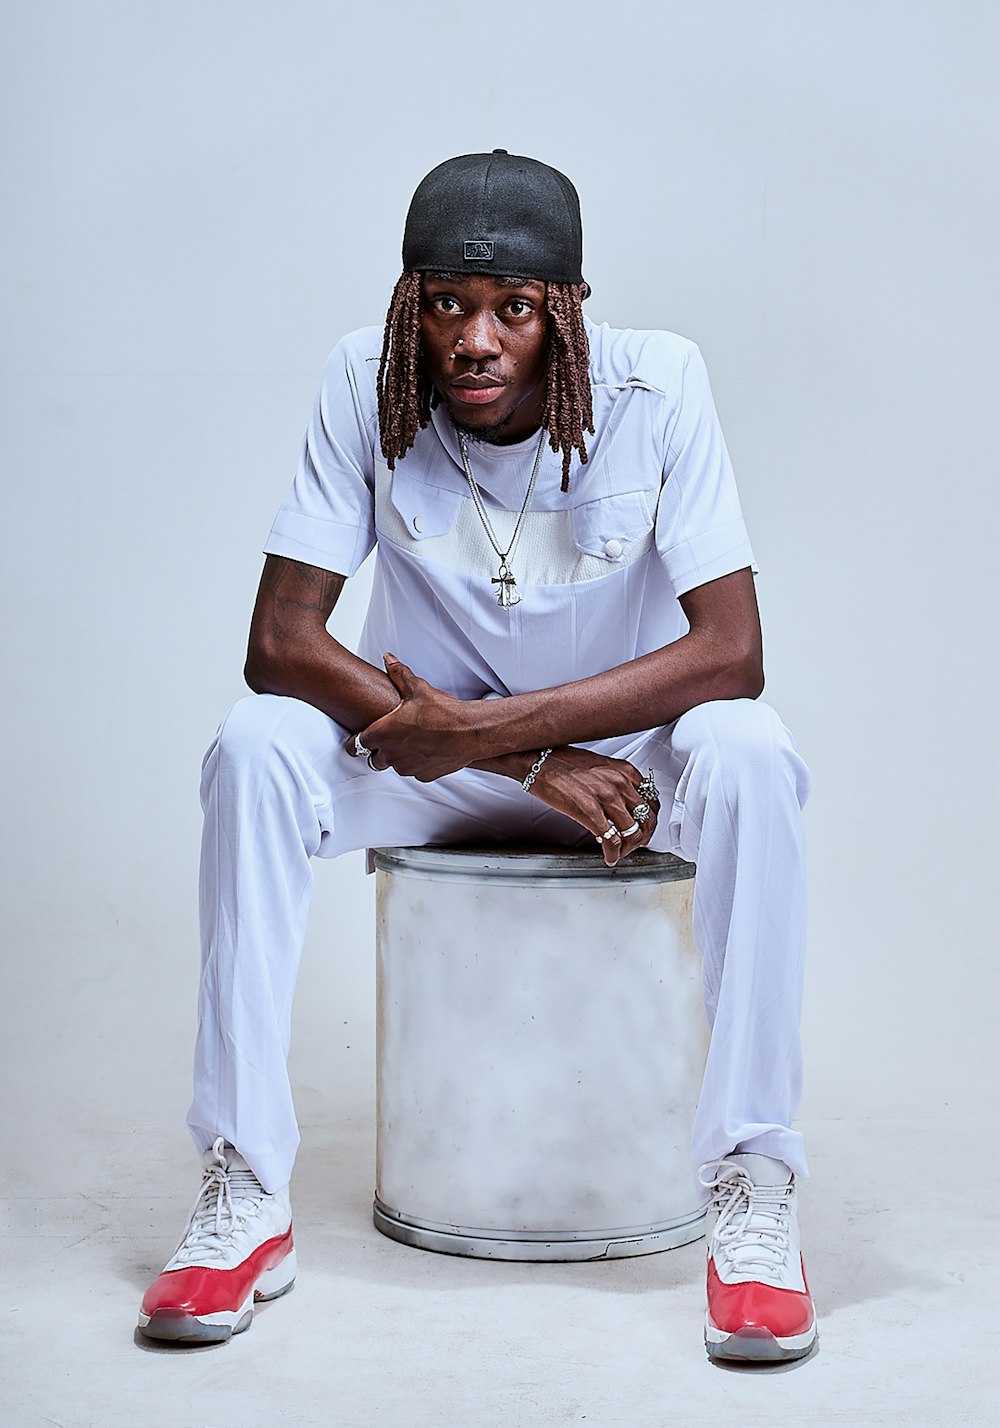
<point>541,1040</point>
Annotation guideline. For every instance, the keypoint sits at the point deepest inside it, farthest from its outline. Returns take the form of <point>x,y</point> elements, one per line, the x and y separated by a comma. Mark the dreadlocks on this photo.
<point>405,394</point>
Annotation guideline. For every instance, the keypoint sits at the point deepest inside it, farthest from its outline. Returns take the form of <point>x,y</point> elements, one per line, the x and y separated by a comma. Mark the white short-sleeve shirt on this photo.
<point>599,569</point>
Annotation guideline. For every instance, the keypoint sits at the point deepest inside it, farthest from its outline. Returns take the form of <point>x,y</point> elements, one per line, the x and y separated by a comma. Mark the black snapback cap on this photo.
<point>496,213</point>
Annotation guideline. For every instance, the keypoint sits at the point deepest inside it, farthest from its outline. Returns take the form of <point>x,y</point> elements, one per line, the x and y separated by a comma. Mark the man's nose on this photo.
<point>480,338</point>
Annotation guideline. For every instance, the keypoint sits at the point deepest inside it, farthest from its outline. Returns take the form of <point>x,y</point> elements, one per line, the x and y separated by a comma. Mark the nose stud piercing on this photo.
<point>459,343</point>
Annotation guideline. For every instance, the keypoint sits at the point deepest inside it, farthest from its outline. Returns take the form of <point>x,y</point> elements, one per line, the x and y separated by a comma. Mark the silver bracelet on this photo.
<point>535,770</point>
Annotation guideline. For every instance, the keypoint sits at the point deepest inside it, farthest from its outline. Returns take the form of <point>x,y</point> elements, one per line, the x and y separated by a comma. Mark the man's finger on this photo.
<point>401,675</point>
<point>607,835</point>
<point>610,848</point>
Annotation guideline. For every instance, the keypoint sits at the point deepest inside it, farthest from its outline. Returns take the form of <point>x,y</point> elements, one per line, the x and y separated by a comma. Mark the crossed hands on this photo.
<point>429,735</point>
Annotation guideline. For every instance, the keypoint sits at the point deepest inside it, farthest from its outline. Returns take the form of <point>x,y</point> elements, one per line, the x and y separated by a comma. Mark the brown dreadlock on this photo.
<point>405,394</point>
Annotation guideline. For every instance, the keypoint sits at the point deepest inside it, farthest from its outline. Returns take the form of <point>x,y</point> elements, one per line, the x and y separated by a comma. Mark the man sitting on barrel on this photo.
<point>562,644</point>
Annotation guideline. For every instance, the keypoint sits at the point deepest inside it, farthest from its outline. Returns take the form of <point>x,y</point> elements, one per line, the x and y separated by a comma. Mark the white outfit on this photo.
<point>652,515</point>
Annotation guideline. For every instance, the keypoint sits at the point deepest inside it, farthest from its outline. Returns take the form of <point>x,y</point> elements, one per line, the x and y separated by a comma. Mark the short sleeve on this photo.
<point>700,532</point>
<point>328,519</point>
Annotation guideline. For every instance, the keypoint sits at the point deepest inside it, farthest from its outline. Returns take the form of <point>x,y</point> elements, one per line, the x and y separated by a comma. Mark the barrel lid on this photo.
<point>523,862</point>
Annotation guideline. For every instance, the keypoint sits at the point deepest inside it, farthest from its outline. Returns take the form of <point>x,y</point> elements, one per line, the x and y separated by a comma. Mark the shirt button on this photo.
<point>418,523</point>
<point>613,549</point>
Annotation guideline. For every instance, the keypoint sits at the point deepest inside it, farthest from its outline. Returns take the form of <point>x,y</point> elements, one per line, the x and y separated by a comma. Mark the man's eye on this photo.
<point>446,304</point>
<point>518,307</point>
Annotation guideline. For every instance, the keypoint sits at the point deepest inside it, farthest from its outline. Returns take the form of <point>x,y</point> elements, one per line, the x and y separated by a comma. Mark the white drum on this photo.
<point>540,1047</point>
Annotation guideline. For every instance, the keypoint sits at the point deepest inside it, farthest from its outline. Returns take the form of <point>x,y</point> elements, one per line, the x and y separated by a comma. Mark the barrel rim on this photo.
<point>523,863</point>
<point>558,1247</point>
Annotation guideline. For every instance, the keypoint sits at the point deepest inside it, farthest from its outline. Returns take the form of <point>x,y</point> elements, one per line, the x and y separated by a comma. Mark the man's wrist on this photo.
<point>516,766</point>
<point>502,725</point>
<point>535,770</point>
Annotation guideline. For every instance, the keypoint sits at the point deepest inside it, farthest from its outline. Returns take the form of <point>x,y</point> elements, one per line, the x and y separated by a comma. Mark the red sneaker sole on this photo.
<point>170,1326</point>
<point>757,1345</point>
<point>176,1327</point>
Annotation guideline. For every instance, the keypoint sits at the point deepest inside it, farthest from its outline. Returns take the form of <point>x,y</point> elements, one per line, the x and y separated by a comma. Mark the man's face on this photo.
<point>493,385</point>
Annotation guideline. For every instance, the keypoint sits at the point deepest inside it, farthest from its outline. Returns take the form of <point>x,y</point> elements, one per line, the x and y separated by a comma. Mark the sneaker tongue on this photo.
<point>763,1169</point>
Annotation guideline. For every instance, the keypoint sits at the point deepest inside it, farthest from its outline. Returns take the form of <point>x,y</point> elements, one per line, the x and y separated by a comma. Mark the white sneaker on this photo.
<point>759,1305</point>
<point>237,1248</point>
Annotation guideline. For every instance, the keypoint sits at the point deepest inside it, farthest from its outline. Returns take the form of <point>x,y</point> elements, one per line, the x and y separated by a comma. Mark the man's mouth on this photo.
<point>476,390</point>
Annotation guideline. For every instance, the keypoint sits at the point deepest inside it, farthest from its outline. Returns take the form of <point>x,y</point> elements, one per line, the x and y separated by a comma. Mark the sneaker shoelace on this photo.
<point>752,1231</point>
<point>226,1200</point>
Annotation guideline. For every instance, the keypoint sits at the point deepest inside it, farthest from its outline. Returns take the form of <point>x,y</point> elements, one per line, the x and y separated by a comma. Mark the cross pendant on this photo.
<point>507,594</point>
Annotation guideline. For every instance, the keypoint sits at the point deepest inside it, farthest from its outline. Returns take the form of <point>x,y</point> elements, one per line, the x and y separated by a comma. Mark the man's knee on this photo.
<point>268,728</point>
<point>741,738</point>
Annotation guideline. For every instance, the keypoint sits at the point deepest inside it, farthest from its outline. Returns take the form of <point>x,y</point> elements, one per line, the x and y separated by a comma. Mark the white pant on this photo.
<point>278,789</point>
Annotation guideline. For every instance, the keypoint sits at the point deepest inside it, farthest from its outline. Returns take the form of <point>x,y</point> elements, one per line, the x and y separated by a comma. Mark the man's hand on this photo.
<point>428,733</point>
<point>598,793</point>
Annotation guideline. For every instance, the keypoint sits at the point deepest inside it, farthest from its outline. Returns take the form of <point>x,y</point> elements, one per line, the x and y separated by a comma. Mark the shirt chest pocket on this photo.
<point>416,512</point>
<point>616,528</point>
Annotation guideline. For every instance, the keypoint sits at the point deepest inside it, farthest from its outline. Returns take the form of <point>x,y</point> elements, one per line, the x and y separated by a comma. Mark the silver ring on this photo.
<point>627,832</point>
<point>612,832</point>
<point>360,748</point>
<point>647,789</point>
<point>641,812</point>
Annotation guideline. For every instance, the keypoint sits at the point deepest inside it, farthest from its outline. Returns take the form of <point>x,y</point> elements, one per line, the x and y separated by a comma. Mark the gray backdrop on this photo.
<point>203,197</point>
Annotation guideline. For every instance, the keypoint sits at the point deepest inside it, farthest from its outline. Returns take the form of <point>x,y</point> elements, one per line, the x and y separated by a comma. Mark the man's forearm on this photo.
<point>322,672</point>
<point>316,668</point>
<point>504,735</point>
<point>719,658</point>
<point>646,693</point>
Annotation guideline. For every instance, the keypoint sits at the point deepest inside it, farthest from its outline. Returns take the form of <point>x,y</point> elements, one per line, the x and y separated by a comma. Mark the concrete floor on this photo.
<point>376,1335</point>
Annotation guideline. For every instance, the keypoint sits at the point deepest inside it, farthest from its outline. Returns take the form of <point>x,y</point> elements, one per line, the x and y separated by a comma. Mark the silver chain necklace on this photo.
<point>507,594</point>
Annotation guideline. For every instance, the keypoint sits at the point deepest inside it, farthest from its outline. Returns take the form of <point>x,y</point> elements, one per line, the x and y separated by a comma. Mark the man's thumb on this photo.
<point>401,675</point>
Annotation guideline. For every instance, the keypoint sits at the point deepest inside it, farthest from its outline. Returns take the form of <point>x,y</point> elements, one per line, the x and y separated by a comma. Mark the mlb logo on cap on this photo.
<point>478,250</point>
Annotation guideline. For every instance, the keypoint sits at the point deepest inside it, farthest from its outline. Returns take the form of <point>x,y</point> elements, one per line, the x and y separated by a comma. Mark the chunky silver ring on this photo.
<point>612,832</point>
<point>363,749</point>
<point>641,812</point>
<point>627,832</point>
<point>647,789</point>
